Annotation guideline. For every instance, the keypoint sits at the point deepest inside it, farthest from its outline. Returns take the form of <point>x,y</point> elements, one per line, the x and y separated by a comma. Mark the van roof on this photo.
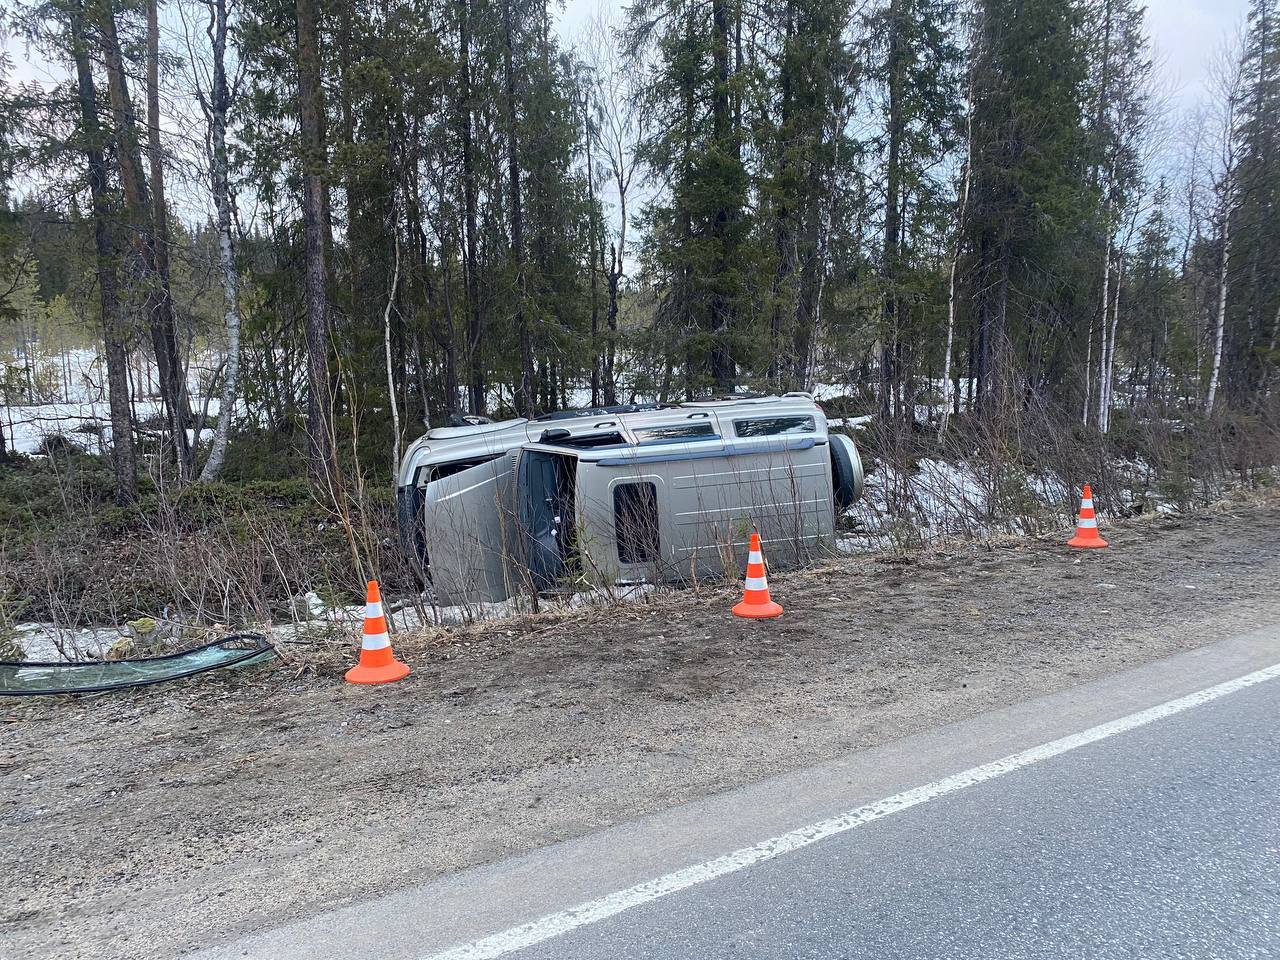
<point>648,427</point>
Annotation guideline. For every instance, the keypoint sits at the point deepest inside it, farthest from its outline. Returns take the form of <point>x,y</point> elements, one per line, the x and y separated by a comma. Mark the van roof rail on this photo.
<point>575,412</point>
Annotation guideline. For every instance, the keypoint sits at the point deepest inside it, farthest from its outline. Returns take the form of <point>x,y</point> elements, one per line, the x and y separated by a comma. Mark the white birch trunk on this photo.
<point>1088,376</point>
<point>216,111</point>
<point>1108,382</point>
<point>948,393</point>
<point>1222,295</point>
<point>1231,82</point>
<point>386,341</point>
<point>1102,346</point>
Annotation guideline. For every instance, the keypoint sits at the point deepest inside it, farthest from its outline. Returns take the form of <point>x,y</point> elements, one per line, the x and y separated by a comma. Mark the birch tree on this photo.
<point>216,95</point>
<point>619,126</point>
<point>1227,90</point>
<point>1120,129</point>
<point>949,393</point>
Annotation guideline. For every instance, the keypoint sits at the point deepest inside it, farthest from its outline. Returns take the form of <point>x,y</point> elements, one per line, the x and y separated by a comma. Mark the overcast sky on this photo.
<point>1185,33</point>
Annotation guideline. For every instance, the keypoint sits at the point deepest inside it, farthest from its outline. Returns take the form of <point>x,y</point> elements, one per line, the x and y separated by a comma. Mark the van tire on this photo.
<point>846,472</point>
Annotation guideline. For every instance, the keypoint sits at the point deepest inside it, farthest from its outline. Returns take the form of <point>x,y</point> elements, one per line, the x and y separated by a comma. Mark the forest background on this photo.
<point>267,244</point>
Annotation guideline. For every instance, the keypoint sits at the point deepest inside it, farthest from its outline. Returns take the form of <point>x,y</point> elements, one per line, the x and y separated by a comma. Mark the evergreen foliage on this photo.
<point>424,214</point>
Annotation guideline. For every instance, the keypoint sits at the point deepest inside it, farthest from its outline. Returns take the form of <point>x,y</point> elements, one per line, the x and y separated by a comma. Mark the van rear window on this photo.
<point>773,426</point>
<point>635,519</point>
<point>679,431</point>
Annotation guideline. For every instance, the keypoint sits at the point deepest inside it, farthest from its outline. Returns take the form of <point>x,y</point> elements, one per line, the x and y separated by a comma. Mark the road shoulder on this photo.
<point>239,803</point>
<point>427,918</point>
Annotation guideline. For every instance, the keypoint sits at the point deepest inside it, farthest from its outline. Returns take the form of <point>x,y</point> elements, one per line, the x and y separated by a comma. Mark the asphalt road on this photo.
<point>1163,841</point>
<point>1133,816</point>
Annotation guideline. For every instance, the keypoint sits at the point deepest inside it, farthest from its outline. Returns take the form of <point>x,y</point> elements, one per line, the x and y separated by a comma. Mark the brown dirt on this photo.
<point>144,823</point>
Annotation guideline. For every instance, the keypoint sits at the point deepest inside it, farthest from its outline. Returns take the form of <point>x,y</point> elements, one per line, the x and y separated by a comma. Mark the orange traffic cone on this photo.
<point>755,598</point>
<point>1087,526</point>
<point>377,664</point>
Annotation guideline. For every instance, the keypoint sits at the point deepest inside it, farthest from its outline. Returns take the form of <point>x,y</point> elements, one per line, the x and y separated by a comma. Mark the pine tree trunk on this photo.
<point>889,372</point>
<point>441,326</point>
<point>810,282</point>
<point>322,467</point>
<point>443,333</point>
<point>595,254</point>
<point>611,322</point>
<point>123,456</point>
<point>782,218</point>
<point>525,402</point>
<point>160,219</point>
<point>1088,374</point>
<point>159,304</point>
<point>722,369</point>
<point>1108,379</point>
<point>1103,347</point>
<point>682,319</point>
<point>949,391</point>
<point>617,254</point>
<point>475,325</point>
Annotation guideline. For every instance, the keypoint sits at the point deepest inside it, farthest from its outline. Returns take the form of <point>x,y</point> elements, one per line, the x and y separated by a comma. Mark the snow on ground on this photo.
<point>85,424</point>
<point>853,423</point>
<point>942,499</point>
<point>47,642</point>
<point>80,411</point>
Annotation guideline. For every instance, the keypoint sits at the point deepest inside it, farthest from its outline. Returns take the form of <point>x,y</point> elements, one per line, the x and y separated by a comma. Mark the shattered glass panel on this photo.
<point>26,679</point>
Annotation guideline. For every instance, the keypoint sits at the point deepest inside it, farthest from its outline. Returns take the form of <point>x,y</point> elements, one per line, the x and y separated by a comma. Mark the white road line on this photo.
<point>593,911</point>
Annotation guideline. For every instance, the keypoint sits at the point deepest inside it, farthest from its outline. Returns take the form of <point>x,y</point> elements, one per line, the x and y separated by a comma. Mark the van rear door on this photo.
<point>468,530</point>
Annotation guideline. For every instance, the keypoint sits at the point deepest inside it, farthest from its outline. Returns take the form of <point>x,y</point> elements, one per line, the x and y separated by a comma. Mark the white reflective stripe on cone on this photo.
<point>1087,523</point>
<point>755,557</point>
<point>1086,503</point>
<point>757,583</point>
<point>376,641</point>
<point>373,609</point>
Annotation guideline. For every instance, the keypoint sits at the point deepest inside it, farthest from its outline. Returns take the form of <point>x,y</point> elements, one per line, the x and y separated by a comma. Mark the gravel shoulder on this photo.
<point>147,823</point>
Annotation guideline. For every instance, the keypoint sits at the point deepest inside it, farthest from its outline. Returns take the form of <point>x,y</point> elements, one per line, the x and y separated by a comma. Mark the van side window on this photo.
<point>679,431</point>
<point>772,426</point>
<point>635,519</point>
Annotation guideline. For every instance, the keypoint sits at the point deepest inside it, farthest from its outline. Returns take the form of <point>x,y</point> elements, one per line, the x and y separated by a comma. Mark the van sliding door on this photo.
<point>547,514</point>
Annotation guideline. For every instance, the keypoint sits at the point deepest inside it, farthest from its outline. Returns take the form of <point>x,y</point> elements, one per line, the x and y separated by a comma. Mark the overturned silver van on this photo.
<point>619,495</point>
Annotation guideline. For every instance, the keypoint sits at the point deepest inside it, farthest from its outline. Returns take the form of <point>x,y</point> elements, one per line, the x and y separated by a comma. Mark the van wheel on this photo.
<point>846,472</point>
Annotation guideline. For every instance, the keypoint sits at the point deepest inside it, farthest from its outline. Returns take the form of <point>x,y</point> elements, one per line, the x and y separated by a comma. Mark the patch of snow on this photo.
<point>80,412</point>
<point>853,423</point>
<point>48,642</point>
